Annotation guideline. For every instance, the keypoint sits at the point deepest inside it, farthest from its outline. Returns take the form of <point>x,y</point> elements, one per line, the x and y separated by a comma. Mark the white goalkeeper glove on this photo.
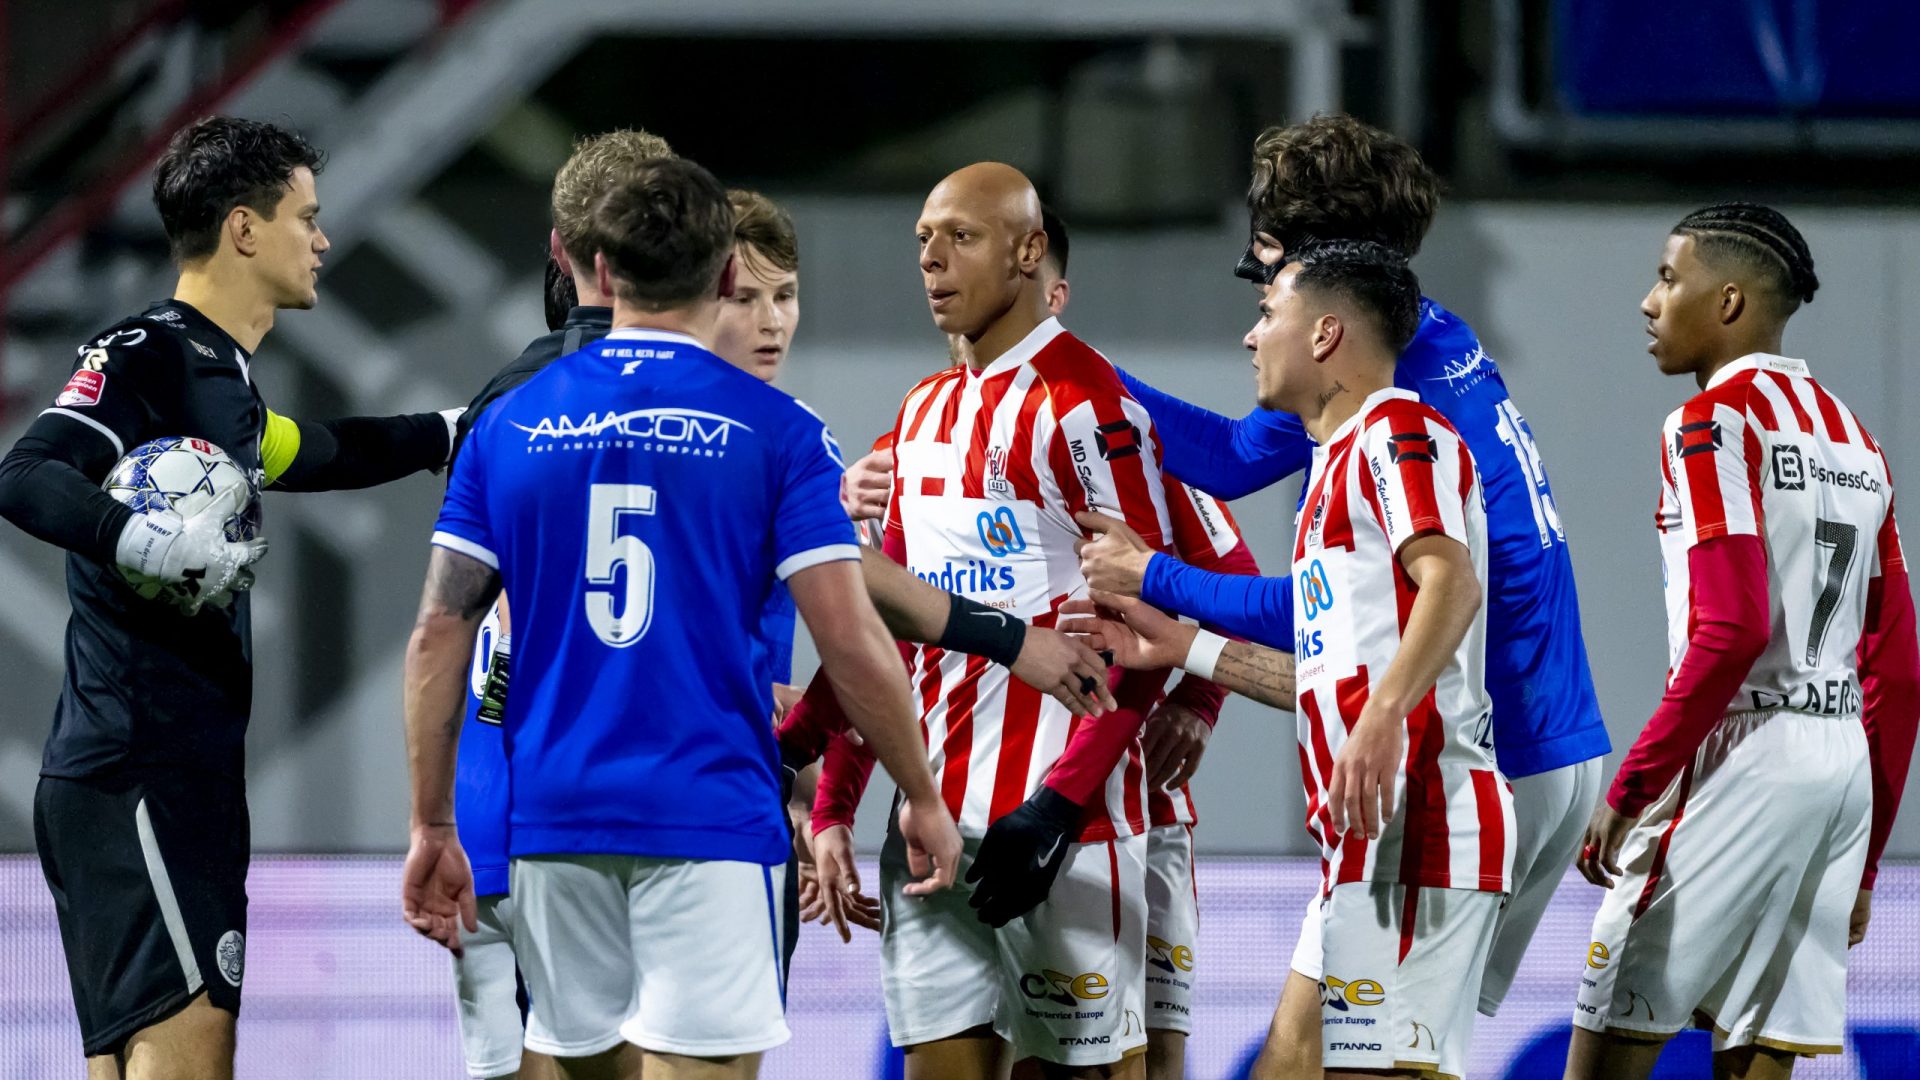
<point>192,552</point>
<point>452,417</point>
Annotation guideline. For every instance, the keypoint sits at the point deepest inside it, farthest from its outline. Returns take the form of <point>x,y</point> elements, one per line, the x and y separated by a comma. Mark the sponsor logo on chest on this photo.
<point>689,432</point>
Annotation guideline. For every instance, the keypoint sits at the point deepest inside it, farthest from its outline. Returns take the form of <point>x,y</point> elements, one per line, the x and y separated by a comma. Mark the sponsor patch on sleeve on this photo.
<point>82,390</point>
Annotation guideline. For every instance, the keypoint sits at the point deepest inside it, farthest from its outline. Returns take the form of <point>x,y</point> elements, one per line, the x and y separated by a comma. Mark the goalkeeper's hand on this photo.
<point>1021,855</point>
<point>192,551</point>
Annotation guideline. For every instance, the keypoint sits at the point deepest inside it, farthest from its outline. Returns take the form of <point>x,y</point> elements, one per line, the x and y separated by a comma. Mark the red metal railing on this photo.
<point>84,73</point>
<point>90,204</point>
<point>19,255</point>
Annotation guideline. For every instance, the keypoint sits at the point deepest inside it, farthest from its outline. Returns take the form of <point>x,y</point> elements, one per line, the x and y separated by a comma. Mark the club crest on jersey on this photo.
<point>1000,533</point>
<point>1119,439</point>
<point>1412,446</point>
<point>1699,437</point>
<point>679,431</point>
<point>997,471</point>
<point>82,390</point>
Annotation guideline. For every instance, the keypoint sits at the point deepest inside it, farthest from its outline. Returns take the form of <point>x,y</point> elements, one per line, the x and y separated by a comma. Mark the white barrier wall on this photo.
<point>337,988</point>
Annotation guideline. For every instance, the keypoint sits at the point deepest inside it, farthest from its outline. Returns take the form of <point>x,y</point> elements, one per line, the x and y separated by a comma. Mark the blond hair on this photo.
<point>597,162</point>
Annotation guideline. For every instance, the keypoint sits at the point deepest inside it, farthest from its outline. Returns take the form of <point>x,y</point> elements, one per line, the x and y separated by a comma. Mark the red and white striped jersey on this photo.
<point>1204,531</point>
<point>1395,471</point>
<point>1766,451</point>
<point>989,469</point>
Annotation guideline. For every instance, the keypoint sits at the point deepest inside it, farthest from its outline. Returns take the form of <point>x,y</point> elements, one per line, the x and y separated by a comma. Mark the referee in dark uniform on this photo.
<point>140,816</point>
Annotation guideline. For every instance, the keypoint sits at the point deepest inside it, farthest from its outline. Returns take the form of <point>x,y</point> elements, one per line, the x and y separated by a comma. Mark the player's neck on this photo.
<point>696,322</point>
<point>235,305</point>
<point>1735,350</point>
<point>587,294</point>
<point>1340,399</point>
<point>1029,310</point>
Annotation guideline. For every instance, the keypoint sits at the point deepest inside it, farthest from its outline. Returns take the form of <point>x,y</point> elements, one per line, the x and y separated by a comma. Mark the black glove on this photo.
<point>1021,855</point>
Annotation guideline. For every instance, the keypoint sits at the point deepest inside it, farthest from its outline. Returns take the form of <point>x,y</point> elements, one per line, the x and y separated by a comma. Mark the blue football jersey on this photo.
<point>641,498</point>
<point>1545,712</point>
<point>480,779</point>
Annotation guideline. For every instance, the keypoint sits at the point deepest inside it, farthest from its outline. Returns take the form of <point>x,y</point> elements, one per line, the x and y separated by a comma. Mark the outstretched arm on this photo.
<point>863,667</point>
<point>1224,458</point>
<point>354,452</point>
<point>1146,638</point>
<point>916,611</point>
<point>1117,560</point>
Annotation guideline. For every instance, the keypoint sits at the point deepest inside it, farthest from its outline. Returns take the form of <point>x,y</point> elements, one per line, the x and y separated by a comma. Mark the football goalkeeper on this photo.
<point>140,816</point>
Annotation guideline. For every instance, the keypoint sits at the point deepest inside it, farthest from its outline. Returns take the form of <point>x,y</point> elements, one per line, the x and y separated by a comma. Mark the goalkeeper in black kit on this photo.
<point>140,816</point>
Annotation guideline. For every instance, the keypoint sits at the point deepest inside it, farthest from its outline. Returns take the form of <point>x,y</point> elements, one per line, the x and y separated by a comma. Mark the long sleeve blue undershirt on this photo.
<point>1226,459</point>
<point>1223,457</point>
<point>1259,609</point>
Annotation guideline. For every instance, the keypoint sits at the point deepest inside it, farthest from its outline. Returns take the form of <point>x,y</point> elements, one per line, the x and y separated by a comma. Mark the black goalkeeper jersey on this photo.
<point>584,326</point>
<point>147,684</point>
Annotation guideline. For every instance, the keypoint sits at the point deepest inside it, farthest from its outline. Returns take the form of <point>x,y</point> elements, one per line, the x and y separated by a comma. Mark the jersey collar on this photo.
<point>1029,347</point>
<point>642,333</point>
<point>1785,365</point>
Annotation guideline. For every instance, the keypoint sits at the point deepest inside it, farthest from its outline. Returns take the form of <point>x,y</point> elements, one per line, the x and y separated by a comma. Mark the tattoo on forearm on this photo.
<point>1263,674</point>
<point>1332,392</point>
<point>459,584</point>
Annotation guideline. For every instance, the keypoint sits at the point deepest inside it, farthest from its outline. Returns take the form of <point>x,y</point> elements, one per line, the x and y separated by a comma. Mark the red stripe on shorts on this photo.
<point>1409,912</point>
<point>1666,840</point>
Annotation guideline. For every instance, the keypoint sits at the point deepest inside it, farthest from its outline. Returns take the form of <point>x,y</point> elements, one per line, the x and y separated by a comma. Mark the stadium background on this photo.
<point>1572,134</point>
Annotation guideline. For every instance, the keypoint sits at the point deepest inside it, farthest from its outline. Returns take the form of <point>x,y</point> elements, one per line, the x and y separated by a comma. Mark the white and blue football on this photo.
<point>182,476</point>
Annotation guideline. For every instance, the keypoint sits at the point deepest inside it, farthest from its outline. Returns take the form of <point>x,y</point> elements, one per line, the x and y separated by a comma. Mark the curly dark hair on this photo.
<point>217,163</point>
<point>666,229</point>
<point>1337,178</point>
<point>559,295</point>
<point>1762,242</point>
<point>1373,277</point>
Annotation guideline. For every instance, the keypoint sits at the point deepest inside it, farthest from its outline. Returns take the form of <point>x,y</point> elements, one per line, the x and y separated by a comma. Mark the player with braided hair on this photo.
<point>1761,241</point>
<point>1740,839</point>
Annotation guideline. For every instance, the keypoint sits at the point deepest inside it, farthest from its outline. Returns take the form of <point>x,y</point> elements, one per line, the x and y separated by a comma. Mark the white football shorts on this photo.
<point>1173,925</point>
<point>484,984</point>
<point>678,956</point>
<point>1402,978</point>
<point>1739,883</point>
<point>1550,812</point>
<point>1062,983</point>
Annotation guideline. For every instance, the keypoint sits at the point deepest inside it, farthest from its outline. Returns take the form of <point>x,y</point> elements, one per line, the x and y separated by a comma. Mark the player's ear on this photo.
<point>1327,334</point>
<point>559,252</point>
<point>1058,296</point>
<point>1031,251</point>
<point>602,274</point>
<point>239,229</point>
<point>729,274</point>
<point>1733,301</point>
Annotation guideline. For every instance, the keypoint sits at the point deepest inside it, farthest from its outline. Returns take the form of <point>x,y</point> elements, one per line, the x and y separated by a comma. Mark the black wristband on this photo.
<point>975,628</point>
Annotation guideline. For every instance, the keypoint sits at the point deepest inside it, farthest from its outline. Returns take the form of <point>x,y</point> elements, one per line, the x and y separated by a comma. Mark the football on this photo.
<point>182,476</point>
